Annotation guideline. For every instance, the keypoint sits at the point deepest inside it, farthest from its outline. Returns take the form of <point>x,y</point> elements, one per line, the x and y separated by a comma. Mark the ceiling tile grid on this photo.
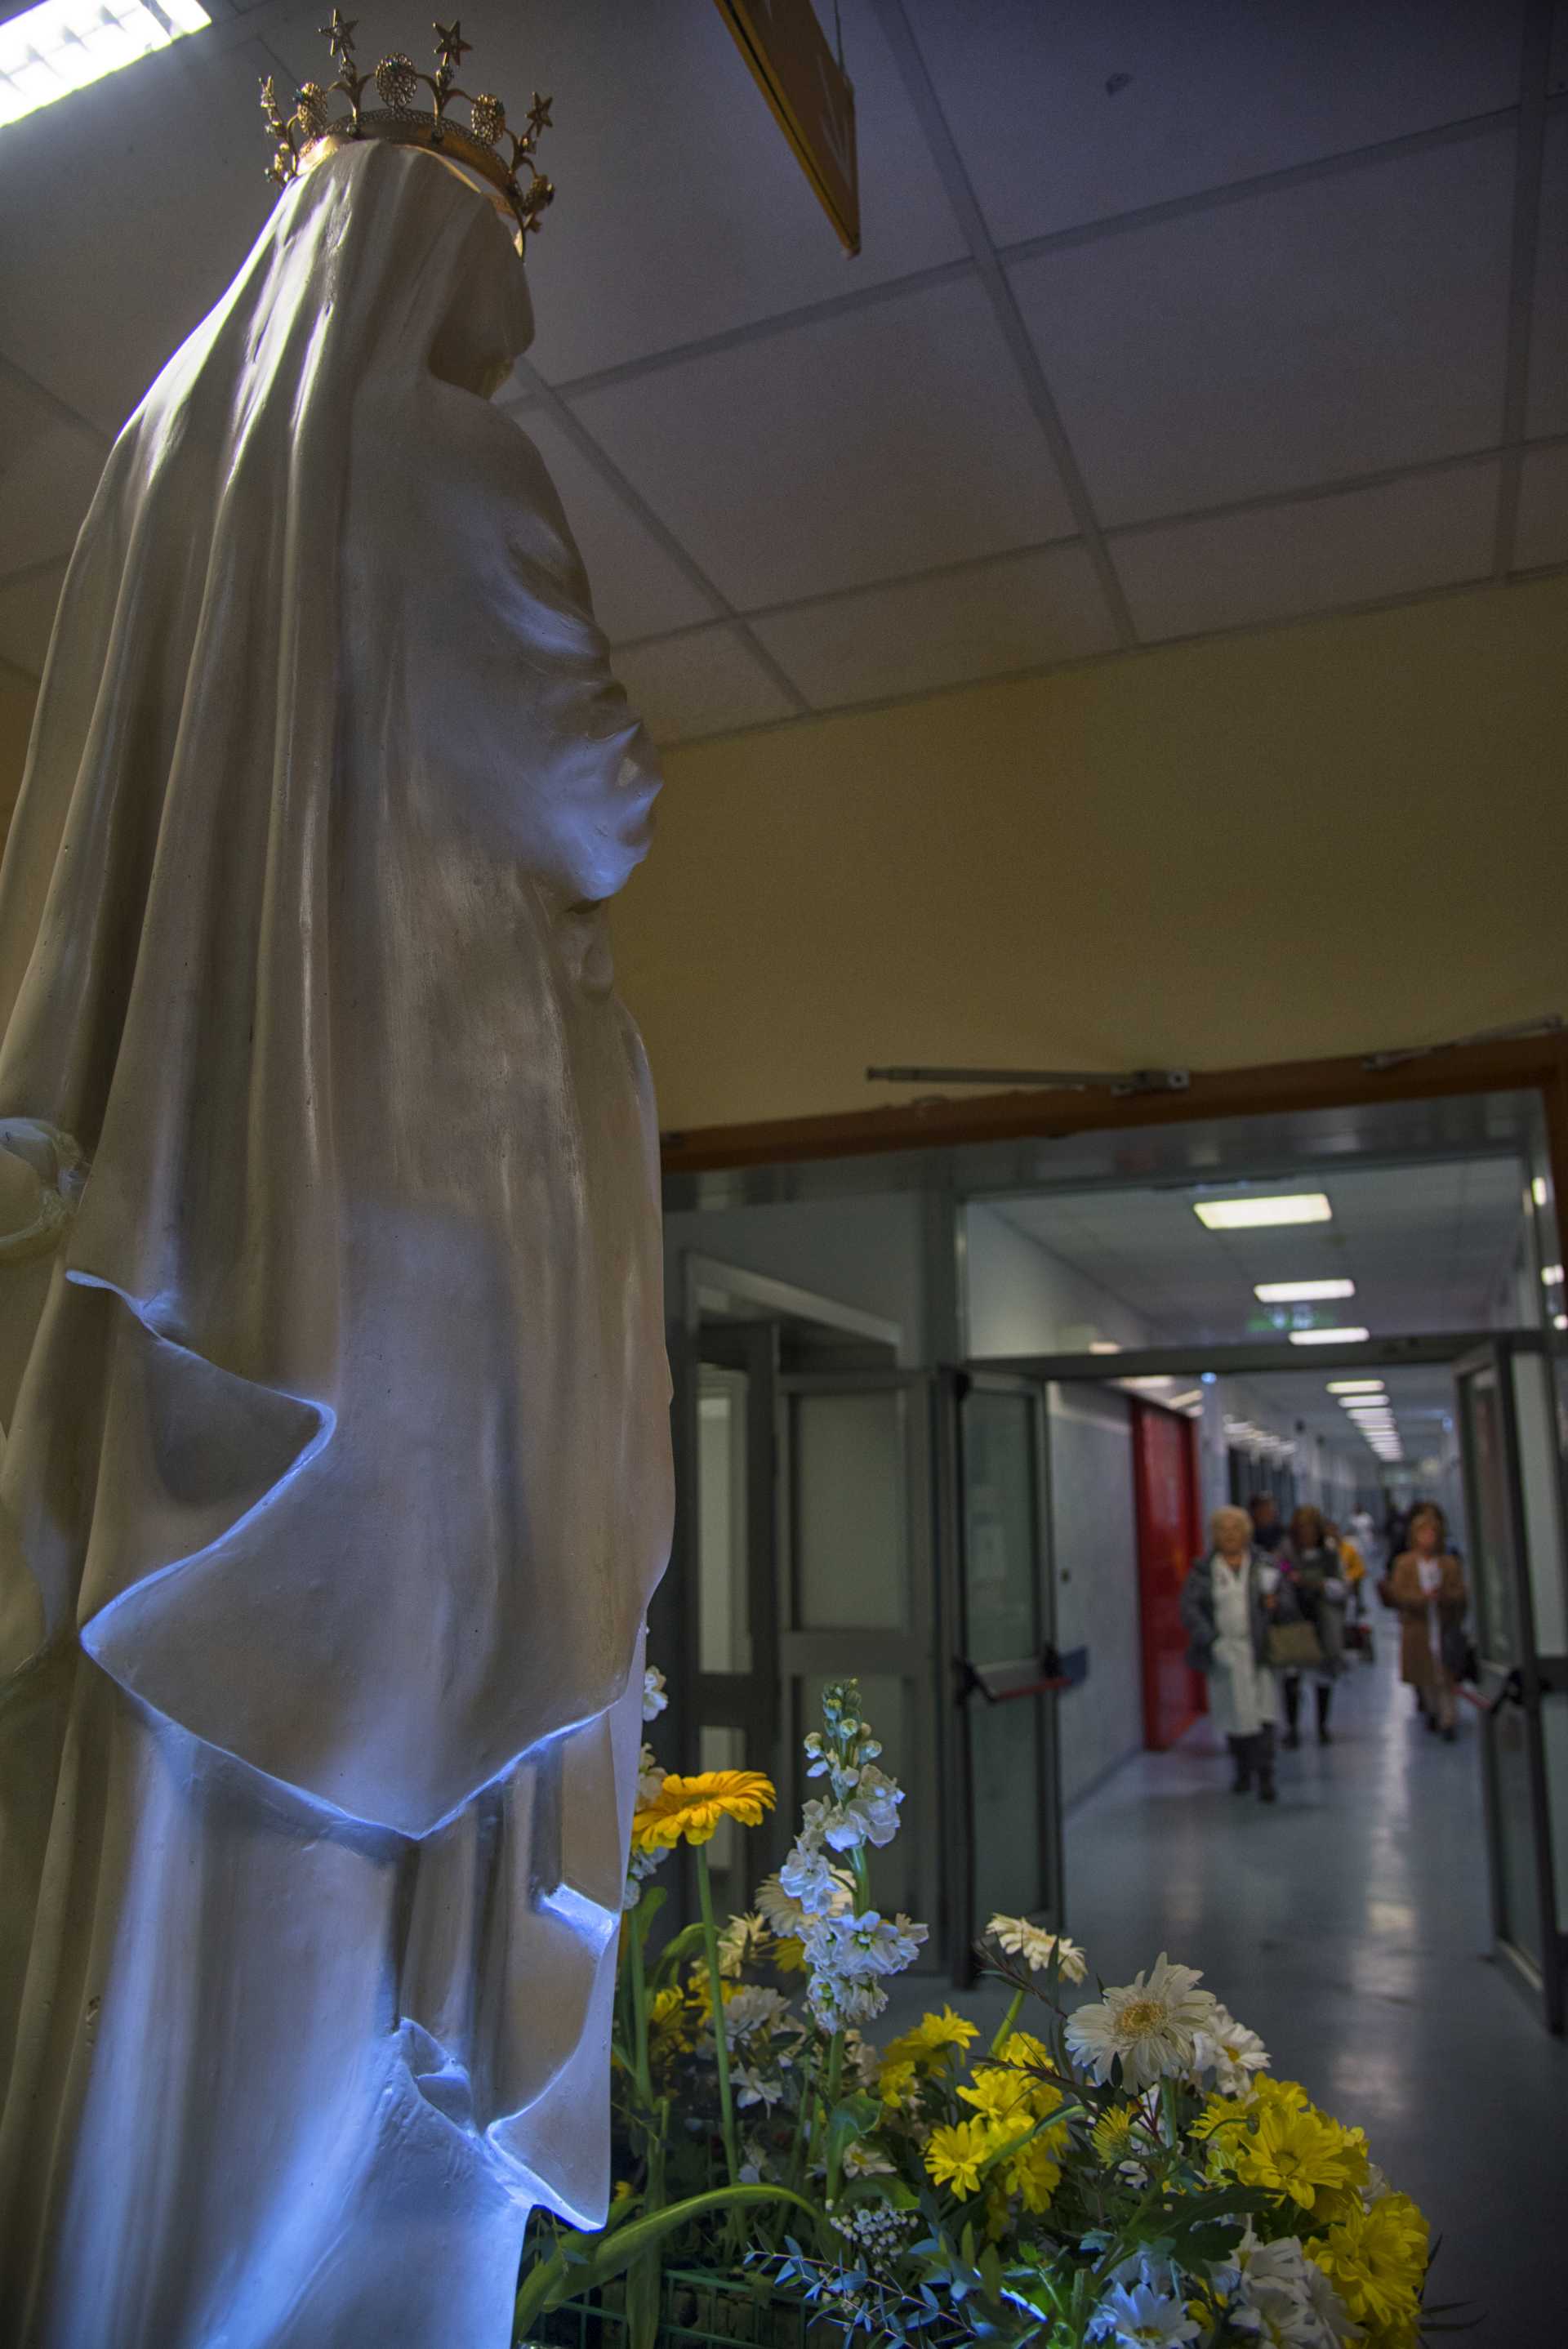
<point>1310,555</point>
<point>832,454</point>
<point>1259,261</point>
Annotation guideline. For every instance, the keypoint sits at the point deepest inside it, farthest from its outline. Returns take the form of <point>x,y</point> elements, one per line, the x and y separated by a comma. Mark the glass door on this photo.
<point>1513,1457</point>
<point>1009,1823</point>
<point>858,1596</point>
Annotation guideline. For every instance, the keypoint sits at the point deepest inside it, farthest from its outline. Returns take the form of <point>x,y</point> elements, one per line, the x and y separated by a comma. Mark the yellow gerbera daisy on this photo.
<point>953,2155</point>
<point>1377,2260</point>
<point>689,1809</point>
<point>933,2034</point>
<point>1303,2155</point>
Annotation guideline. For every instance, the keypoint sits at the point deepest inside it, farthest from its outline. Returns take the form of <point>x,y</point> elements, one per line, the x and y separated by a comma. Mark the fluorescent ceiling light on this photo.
<point>1162,1381</point>
<point>1300,1292</point>
<point>1329,1337</point>
<point>1354,1386</point>
<point>50,51</point>
<point>1103,1346</point>
<point>1559,1321</point>
<point>1182,1401</point>
<point>1538,1190</point>
<point>1551,1274</point>
<point>1244,1215</point>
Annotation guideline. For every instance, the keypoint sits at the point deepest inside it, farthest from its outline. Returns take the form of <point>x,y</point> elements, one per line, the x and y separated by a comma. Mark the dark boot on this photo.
<point>1241,1756</point>
<point>1325,1692</point>
<point>1263,1746</point>
<point>1291,1708</point>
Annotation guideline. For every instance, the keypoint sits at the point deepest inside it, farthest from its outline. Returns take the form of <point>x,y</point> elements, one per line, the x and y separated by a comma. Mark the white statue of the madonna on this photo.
<point>337,1474</point>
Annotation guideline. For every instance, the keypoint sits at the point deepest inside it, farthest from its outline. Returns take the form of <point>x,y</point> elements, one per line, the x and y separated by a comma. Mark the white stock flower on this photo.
<point>1141,2318</point>
<point>654,1695</point>
<point>755,2086</point>
<point>1231,2051</point>
<point>867,1813</point>
<point>1281,2299</point>
<point>857,1946</point>
<point>807,1879</point>
<point>639,1868</point>
<point>1151,2024</point>
<point>1020,1938</point>
<point>650,1778</point>
<point>863,2161</point>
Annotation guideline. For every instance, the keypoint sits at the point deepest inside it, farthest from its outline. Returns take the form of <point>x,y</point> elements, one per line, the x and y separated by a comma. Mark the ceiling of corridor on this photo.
<point>1426,1246</point>
<point>1171,320</point>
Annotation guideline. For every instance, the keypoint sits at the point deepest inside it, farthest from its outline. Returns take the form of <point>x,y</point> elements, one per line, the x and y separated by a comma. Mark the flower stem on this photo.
<point>637,1971</point>
<point>720,2039</point>
<point>835,2084</point>
<point>1009,2023</point>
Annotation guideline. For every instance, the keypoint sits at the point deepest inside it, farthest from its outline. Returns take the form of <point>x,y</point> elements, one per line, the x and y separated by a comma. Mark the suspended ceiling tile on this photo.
<point>1548,404</point>
<point>1541,535</point>
<point>833,454</point>
<point>1335,328</point>
<point>141,197</point>
<point>705,683</point>
<point>1204,94</point>
<point>27,617</point>
<point>638,589</point>
<point>49,467</point>
<point>680,211</point>
<point>1019,613</point>
<point>1312,555</point>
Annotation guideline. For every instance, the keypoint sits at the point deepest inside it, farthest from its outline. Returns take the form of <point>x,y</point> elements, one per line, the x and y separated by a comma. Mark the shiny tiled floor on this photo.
<point>1350,1926</point>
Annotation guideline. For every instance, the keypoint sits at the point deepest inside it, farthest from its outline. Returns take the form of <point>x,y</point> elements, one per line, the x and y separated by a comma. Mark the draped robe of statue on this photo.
<point>335,1473</point>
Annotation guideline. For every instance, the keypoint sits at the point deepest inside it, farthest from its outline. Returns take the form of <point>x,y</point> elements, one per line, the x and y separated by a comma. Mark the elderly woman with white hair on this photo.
<point>1227,1602</point>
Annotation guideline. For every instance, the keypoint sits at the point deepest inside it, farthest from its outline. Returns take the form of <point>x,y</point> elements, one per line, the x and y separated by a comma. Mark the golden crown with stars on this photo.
<point>314,129</point>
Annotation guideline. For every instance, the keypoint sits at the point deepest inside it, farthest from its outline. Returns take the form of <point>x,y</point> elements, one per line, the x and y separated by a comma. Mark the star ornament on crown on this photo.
<point>315,129</point>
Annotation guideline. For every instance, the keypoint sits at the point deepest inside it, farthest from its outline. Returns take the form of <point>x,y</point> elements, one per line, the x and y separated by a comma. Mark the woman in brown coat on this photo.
<point>1426,1585</point>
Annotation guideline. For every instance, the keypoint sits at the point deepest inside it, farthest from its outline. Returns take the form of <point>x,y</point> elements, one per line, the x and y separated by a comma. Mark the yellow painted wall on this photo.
<point>1320,839</point>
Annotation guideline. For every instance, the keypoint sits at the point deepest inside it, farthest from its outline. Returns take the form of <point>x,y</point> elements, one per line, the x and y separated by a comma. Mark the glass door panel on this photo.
<point>858,1597</point>
<point>1008,1826</point>
<point>1513,1488</point>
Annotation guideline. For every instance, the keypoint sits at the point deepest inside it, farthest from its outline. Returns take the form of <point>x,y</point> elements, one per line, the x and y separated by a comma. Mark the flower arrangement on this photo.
<point>1125,2170</point>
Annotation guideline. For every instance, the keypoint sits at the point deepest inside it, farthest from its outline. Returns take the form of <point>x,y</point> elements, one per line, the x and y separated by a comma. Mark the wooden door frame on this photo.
<point>1515,1064</point>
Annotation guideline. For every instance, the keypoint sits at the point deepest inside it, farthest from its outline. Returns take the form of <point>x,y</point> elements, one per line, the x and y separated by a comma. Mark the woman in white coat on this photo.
<point>1227,1602</point>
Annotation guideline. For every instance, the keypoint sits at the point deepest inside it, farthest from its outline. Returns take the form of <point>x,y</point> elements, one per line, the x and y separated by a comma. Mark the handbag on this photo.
<point>1293,1648</point>
<point>1460,1661</point>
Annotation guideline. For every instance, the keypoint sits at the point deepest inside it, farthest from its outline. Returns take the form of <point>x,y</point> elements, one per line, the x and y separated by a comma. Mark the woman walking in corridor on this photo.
<point>1426,1585</point>
<point>1316,1575</point>
<point>1227,1600</point>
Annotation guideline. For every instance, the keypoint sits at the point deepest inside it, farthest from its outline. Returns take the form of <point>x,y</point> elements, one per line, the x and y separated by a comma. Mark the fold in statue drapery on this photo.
<point>336,1474</point>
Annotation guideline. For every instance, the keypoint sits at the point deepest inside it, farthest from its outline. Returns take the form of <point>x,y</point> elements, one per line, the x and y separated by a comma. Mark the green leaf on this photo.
<point>680,1946</point>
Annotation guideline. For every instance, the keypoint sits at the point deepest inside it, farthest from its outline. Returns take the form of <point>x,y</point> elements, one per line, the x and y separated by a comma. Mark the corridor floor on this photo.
<point>1349,1926</point>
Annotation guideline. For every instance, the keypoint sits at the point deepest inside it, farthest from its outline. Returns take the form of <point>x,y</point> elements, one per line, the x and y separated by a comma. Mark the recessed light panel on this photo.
<point>1301,1292</point>
<point>50,51</point>
<point>1246,1215</point>
<point>1354,1386</point>
<point>1329,1337</point>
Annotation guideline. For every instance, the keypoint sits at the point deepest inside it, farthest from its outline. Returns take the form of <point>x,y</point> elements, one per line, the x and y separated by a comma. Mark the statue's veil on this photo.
<point>335,1401</point>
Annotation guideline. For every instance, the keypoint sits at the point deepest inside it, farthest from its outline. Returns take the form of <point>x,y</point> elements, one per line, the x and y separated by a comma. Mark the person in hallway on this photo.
<point>1268,1533</point>
<point>1364,1534</point>
<point>1316,1575</point>
<point>1227,1600</point>
<point>1426,1585</point>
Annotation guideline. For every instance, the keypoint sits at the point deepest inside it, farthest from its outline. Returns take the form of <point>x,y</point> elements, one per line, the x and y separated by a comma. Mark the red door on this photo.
<point>1165,1478</point>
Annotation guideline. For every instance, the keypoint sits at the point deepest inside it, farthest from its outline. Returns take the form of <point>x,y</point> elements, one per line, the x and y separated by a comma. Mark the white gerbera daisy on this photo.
<point>1020,1938</point>
<point>1141,2318</point>
<point>1153,2024</point>
<point>1231,2051</point>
